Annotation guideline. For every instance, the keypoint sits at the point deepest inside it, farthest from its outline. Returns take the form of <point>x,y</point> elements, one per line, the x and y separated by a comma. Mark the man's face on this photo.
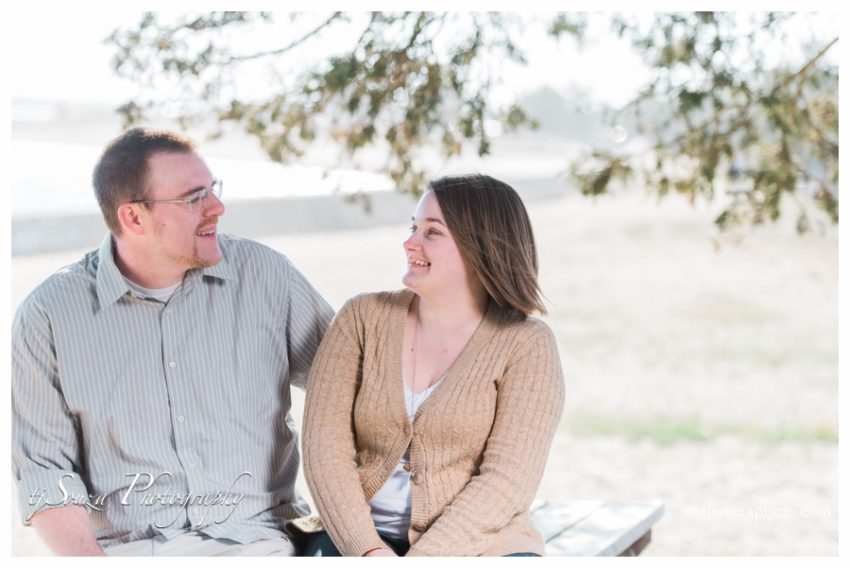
<point>182,236</point>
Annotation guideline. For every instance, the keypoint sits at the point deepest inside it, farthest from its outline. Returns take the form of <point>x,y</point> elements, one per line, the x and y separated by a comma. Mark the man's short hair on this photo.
<point>121,173</point>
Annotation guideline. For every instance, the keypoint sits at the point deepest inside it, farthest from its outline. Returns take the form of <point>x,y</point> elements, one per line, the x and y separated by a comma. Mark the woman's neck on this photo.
<point>448,313</point>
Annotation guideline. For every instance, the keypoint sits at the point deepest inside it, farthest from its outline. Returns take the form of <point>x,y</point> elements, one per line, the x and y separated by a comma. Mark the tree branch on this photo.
<point>803,70</point>
<point>294,44</point>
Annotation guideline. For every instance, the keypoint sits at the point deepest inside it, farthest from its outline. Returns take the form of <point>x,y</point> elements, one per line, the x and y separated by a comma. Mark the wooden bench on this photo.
<point>596,528</point>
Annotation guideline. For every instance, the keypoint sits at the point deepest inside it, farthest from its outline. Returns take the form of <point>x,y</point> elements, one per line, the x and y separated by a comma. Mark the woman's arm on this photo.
<point>329,445</point>
<point>528,409</point>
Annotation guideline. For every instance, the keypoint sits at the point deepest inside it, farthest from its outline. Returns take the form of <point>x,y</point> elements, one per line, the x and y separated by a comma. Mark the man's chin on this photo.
<point>206,263</point>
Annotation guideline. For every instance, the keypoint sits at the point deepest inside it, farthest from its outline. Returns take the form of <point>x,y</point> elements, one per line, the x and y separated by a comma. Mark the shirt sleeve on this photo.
<point>45,438</point>
<point>308,317</point>
<point>330,465</point>
<point>529,404</point>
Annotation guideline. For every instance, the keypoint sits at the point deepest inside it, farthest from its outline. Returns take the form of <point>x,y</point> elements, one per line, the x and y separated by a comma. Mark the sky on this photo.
<point>61,56</point>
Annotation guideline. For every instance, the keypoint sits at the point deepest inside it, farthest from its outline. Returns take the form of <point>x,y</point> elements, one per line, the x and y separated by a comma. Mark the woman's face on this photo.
<point>434,264</point>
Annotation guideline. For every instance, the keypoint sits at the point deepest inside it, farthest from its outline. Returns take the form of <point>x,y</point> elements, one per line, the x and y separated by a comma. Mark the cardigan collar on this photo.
<point>493,319</point>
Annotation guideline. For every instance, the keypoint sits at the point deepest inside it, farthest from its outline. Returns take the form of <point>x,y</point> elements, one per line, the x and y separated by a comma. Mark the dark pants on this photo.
<point>321,544</point>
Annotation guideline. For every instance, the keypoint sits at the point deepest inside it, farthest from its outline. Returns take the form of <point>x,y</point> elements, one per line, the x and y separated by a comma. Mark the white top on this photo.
<point>392,503</point>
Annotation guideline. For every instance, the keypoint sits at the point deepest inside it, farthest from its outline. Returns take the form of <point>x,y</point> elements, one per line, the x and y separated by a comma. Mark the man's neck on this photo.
<point>134,265</point>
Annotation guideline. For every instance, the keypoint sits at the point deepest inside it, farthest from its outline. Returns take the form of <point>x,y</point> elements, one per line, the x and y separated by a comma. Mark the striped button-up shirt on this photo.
<point>165,417</point>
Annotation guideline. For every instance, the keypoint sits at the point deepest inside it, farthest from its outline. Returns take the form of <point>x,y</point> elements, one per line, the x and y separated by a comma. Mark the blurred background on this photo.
<point>680,171</point>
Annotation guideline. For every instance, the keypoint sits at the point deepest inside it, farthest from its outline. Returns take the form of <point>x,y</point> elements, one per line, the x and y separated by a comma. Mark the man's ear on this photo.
<point>132,218</point>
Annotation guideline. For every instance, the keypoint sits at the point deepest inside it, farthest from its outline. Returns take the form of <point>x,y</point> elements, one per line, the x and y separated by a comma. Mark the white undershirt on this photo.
<point>159,294</point>
<point>392,503</point>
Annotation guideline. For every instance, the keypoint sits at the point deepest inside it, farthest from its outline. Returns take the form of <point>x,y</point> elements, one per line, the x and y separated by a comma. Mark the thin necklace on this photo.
<point>414,349</point>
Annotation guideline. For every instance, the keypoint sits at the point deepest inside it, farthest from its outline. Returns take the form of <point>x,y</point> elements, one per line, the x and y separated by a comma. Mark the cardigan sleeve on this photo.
<point>529,404</point>
<point>330,465</point>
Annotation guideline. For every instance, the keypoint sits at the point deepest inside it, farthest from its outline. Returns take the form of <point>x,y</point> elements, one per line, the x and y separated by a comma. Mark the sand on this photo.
<point>705,377</point>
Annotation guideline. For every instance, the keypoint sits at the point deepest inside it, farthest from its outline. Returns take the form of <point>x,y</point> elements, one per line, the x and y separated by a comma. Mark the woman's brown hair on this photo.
<point>490,225</point>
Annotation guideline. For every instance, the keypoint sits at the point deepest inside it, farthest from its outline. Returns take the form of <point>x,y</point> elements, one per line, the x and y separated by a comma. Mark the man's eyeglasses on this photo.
<point>196,200</point>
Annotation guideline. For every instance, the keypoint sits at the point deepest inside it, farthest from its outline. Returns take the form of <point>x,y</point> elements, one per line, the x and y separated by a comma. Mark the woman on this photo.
<point>430,410</point>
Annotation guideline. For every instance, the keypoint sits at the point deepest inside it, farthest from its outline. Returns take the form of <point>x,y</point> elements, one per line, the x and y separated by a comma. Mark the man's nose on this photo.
<point>214,206</point>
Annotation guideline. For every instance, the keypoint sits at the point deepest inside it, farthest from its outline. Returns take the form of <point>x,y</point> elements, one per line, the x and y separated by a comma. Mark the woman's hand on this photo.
<point>381,552</point>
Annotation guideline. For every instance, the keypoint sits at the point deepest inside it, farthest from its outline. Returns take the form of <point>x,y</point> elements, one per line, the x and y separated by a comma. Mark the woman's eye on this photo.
<point>433,232</point>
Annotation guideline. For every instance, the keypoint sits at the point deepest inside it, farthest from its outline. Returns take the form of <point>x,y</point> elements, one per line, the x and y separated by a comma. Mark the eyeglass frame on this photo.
<point>217,188</point>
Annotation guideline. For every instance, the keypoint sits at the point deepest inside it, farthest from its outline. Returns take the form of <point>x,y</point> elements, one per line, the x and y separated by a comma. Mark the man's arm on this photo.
<point>45,448</point>
<point>67,531</point>
<point>308,317</point>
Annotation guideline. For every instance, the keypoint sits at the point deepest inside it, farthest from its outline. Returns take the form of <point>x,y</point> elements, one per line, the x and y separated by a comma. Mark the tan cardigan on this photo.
<point>478,444</point>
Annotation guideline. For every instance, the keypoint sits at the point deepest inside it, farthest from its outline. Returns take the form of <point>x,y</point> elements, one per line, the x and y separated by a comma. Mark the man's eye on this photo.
<point>197,197</point>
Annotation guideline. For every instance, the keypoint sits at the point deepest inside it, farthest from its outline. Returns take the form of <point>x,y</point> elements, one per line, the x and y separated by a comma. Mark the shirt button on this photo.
<point>181,419</point>
<point>191,466</point>
<point>172,364</point>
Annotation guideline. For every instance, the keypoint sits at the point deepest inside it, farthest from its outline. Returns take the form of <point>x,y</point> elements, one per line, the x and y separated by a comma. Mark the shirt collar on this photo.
<point>111,284</point>
<point>222,270</point>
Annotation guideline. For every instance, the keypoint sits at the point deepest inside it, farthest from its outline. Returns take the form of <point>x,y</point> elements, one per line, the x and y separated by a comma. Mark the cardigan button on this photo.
<point>416,477</point>
<point>418,527</point>
<point>406,467</point>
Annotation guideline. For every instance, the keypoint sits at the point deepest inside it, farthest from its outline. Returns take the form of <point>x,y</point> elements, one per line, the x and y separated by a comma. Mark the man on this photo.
<point>150,380</point>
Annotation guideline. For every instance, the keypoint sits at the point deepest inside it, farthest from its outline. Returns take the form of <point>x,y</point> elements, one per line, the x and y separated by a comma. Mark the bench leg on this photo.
<point>637,547</point>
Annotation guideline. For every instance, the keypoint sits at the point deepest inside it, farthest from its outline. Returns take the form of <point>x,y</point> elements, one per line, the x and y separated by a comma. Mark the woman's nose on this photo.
<point>412,242</point>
